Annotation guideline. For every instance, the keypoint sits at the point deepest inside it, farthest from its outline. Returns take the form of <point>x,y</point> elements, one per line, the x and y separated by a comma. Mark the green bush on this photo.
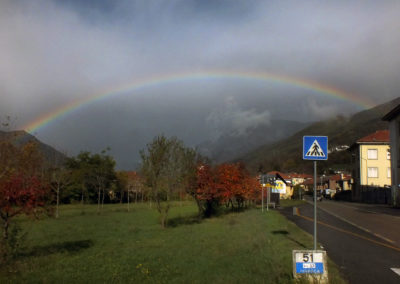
<point>13,245</point>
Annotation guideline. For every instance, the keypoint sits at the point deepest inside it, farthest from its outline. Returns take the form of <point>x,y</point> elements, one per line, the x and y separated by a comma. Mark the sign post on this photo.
<point>262,199</point>
<point>315,205</point>
<point>315,148</point>
<point>262,194</point>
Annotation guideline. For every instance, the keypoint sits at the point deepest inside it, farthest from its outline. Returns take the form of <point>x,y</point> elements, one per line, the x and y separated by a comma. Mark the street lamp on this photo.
<point>322,181</point>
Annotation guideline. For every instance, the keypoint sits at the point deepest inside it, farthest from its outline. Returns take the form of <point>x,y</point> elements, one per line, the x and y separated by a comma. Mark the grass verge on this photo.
<point>119,247</point>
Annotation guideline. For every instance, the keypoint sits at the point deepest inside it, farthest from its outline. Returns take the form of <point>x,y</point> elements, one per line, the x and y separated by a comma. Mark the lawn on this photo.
<point>119,246</point>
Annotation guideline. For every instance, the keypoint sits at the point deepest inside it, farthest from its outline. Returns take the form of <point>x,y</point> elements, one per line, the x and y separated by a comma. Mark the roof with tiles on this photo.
<point>296,175</point>
<point>284,176</point>
<point>340,177</point>
<point>380,136</point>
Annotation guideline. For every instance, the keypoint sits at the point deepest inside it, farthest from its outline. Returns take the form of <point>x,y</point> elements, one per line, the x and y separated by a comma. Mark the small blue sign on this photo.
<point>315,147</point>
<point>310,267</point>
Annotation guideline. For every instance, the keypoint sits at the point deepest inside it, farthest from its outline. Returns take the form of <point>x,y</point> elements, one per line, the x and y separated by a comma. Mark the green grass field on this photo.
<point>120,246</point>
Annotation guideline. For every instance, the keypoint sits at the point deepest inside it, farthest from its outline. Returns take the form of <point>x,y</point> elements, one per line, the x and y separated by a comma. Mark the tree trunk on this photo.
<point>58,200</point>
<point>82,196</point>
<point>162,222</point>
<point>102,201</point>
<point>98,201</point>
<point>5,228</point>
<point>164,219</point>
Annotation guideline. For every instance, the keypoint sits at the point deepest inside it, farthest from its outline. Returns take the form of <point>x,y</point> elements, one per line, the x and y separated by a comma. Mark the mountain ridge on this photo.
<point>286,154</point>
<point>230,145</point>
<point>20,137</point>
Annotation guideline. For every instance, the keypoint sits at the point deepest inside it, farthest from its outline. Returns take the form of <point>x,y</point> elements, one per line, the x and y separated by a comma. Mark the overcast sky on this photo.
<point>56,52</point>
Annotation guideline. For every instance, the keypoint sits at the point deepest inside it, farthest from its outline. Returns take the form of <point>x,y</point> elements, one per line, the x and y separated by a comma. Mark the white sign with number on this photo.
<point>311,262</point>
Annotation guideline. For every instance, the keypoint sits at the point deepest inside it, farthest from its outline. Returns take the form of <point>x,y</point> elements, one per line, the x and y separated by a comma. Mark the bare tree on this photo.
<point>60,178</point>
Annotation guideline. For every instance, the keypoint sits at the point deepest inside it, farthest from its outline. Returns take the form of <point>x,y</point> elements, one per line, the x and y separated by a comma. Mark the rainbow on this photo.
<point>64,110</point>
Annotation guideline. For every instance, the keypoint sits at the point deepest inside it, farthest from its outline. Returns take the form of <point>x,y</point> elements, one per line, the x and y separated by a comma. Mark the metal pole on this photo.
<point>262,194</point>
<point>262,199</point>
<point>268,191</point>
<point>315,205</point>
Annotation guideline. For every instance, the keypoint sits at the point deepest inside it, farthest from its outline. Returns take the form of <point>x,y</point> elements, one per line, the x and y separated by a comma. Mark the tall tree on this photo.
<point>122,184</point>
<point>130,182</point>
<point>164,170</point>
<point>59,179</point>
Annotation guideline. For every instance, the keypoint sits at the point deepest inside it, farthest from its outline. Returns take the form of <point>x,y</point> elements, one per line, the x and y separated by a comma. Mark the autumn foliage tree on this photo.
<point>130,184</point>
<point>20,194</point>
<point>22,186</point>
<point>228,184</point>
<point>207,195</point>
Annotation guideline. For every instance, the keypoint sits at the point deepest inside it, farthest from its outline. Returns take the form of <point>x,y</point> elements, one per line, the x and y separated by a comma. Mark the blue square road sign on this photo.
<point>315,147</point>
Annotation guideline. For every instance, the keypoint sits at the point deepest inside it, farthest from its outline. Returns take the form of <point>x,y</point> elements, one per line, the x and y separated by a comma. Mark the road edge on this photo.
<point>353,224</point>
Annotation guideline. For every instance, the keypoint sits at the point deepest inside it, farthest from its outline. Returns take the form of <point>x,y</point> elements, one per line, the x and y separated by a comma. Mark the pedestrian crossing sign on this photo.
<point>315,148</point>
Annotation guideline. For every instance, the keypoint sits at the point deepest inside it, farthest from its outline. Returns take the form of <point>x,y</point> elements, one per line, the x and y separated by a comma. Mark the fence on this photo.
<point>372,194</point>
<point>345,195</point>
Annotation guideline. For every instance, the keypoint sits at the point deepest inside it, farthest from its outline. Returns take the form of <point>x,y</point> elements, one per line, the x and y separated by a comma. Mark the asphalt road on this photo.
<point>361,256</point>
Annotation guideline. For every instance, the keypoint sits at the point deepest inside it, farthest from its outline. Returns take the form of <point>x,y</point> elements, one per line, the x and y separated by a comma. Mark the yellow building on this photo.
<point>372,160</point>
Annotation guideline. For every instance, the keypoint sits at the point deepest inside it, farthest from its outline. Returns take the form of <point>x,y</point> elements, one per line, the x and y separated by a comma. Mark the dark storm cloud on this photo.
<point>56,52</point>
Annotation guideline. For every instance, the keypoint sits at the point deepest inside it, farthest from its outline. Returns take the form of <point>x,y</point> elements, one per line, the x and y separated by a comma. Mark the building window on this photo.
<point>372,154</point>
<point>388,154</point>
<point>389,174</point>
<point>372,172</point>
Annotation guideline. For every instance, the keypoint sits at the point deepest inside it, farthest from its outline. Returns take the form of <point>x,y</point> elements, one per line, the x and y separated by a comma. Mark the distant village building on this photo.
<point>283,184</point>
<point>286,182</point>
<point>393,117</point>
<point>371,157</point>
<point>339,182</point>
<point>298,179</point>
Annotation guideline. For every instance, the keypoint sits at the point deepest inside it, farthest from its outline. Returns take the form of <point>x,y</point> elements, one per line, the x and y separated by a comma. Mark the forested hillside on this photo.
<point>286,155</point>
<point>230,145</point>
<point>20,138</point>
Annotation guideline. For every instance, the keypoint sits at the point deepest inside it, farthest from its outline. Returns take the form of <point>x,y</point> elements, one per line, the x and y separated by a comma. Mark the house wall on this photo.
<point>296,181</point>
<point>332,184</point>
<point>382,163</point>
<point>346,185</point>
